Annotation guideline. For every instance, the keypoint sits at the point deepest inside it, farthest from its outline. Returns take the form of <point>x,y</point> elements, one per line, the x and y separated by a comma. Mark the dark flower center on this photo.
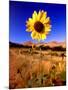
<point>39,27</point>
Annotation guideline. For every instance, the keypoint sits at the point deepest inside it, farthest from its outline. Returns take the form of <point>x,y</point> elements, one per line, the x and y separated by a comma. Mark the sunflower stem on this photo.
<point>40,61</point>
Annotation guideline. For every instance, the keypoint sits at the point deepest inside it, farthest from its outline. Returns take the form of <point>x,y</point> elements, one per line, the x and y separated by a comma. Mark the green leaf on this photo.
<point>63,75</point>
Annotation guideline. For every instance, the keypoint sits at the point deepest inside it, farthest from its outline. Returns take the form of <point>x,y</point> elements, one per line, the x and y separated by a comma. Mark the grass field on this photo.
<point>35,68</point>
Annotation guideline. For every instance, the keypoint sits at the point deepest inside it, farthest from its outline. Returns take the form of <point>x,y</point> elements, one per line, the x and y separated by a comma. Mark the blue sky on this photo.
<point>21,11</point>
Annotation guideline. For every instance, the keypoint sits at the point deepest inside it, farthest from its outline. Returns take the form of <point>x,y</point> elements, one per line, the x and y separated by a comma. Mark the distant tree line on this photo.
<point>15,45</point>
<point>56,48</point>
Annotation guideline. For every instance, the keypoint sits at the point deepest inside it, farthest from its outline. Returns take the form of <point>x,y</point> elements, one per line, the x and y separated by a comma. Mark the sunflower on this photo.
<point>38,25</point>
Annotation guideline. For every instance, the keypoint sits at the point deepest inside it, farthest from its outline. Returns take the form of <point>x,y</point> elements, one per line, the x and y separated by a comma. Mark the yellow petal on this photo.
<point>48,25</point>
<point>33,34</point>
<point>34,16</point>
<point>29,25</point>
<point>28,30</point>
<point>46,32</point>
<point>43,36</point>
<point>47,28</point>
<point>36,36</point>
<point>47,20</point>
<point>30,21</point>
<point>39,15</point>
<point>44,17</point>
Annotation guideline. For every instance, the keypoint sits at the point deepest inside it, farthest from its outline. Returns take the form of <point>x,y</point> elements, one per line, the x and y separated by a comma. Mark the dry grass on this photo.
<point>32,68</point>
